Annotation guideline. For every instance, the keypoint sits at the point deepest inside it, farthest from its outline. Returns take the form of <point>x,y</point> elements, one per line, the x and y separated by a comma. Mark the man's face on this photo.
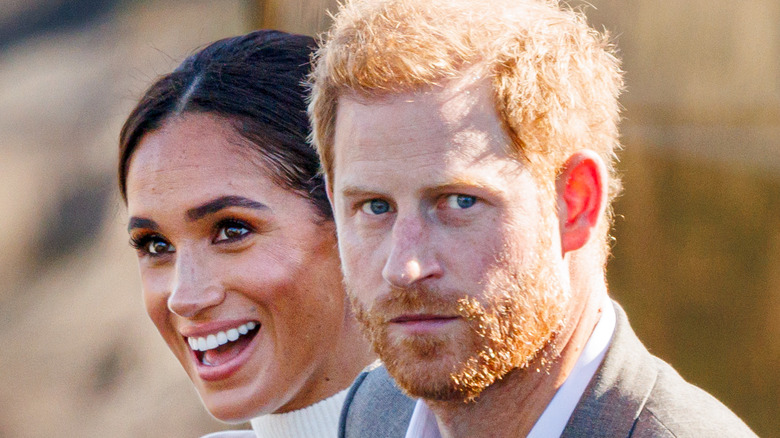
<point>450,249</point>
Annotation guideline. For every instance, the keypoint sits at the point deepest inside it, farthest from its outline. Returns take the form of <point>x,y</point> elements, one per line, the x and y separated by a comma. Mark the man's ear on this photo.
<point>581,191</point>
<point>328,189</point>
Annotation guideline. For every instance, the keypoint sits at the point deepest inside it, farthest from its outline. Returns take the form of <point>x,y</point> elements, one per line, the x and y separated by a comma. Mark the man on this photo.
<point>469,153</point>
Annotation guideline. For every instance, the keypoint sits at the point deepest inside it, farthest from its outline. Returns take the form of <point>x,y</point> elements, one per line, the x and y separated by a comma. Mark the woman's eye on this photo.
<point>152,245</point>
<point>158,247</point>
<point>460,202</point>
<point>376,207</point>
<point>231,231</point>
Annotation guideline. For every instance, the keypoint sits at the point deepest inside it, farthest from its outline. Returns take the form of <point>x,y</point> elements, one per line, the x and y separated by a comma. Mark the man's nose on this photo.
<point>194,288</point>
<point>412,256</point>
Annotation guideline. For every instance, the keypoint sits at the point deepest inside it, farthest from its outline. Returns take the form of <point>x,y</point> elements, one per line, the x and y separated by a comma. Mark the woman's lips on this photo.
<point>214,340</point>
<point>218,355</point>
<point>225,353</point>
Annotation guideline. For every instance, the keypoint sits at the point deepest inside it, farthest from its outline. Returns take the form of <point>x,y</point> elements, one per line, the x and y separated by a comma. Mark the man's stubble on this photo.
<point>504,328</point>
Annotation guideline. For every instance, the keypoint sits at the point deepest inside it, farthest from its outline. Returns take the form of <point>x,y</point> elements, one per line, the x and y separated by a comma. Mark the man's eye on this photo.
<point>376,207</point>
<point>231,230</point>
<point>460,202</point>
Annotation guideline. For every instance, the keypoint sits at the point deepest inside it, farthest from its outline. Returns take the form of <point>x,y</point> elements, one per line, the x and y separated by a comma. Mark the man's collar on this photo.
<point>554,418</point>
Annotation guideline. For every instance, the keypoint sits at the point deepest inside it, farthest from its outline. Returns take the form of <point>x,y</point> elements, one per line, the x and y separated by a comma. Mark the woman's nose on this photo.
<point>195,288</point>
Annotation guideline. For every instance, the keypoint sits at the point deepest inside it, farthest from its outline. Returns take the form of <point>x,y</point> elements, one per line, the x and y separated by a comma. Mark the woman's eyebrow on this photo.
<point>217,204</point>
<point>139,222</point>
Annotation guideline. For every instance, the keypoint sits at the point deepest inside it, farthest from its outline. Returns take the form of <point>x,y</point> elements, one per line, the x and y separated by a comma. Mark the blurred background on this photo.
<point>696,261</point>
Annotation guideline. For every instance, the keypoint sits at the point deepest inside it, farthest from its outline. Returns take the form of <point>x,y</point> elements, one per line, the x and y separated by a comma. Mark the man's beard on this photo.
<point>506,327</point>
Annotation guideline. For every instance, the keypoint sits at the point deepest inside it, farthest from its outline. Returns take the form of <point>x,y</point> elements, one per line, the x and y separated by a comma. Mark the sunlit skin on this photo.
<point>428,196</point>
<point>221,244</point>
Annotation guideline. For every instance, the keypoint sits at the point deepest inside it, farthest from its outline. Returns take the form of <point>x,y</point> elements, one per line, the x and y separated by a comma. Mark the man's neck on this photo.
<point>527,391</point>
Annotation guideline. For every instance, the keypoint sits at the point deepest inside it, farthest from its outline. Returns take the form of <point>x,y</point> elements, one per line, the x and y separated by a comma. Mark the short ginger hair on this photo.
<point>555,79</point>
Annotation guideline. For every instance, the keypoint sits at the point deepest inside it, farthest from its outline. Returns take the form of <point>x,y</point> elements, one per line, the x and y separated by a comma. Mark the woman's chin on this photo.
<point>231,412</point>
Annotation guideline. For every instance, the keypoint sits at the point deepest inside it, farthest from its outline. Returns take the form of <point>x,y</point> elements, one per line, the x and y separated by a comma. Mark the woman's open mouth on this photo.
<point>222,347</point>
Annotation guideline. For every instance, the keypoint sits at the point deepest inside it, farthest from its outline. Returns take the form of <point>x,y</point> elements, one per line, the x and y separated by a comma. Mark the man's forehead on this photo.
<point>404,132</point>
<point>455,96</point>
<point>430,134</point>
<point>458,110</point>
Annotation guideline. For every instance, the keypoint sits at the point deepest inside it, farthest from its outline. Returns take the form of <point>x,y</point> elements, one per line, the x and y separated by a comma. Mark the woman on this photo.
<point>235,238</point>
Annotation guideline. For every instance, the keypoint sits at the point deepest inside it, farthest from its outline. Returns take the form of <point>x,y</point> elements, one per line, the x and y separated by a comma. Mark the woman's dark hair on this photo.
<point>255,82</point>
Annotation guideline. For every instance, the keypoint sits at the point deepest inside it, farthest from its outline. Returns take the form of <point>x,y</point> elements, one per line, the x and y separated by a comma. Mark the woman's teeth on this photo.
<point>211,342</point>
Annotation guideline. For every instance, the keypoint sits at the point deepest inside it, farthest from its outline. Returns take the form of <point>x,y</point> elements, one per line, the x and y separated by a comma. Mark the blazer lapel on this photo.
<point>619,390</point>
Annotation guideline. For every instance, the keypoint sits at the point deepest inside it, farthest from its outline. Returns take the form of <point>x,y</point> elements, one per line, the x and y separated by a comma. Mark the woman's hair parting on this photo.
<point>255,83</point>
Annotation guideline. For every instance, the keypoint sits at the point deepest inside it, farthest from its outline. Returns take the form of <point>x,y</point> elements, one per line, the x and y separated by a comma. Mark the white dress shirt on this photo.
<point>554,418</point>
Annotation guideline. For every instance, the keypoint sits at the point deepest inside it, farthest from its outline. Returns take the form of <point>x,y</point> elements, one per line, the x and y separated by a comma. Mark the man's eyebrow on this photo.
<point>222,202</point>
<point>463,181</point>
<point>139,222</point>
<point>355,191</point>
<point>351,191</point>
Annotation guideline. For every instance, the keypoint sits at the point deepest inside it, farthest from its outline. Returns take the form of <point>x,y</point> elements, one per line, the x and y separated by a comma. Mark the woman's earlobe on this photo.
<point>581,195</point>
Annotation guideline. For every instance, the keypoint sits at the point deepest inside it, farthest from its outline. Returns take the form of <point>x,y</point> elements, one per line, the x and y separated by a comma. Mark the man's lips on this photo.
<point>422,318</point>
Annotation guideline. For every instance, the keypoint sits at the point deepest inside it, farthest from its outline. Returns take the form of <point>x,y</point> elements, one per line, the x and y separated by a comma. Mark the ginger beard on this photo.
<point>511,320</point>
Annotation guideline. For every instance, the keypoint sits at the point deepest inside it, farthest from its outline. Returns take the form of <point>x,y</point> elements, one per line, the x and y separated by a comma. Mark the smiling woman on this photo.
<point>235,237</point>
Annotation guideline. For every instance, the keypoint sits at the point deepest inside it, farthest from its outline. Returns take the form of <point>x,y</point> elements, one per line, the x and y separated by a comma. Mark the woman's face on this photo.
<point>240,275</point>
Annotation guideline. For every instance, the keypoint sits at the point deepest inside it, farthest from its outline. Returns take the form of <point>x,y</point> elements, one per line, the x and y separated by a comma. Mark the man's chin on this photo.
<point>457,366</point>
<point>426,366</point>
<point>429,380</point>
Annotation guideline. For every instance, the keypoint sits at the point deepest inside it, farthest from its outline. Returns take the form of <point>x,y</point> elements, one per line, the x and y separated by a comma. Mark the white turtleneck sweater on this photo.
<point>320,420</point>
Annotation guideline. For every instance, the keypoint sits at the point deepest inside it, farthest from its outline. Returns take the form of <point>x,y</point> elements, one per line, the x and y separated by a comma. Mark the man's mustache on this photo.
<point>416,299</point>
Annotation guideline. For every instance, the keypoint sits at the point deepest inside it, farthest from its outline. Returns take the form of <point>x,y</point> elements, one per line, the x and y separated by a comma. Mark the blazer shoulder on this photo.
<point>686,410</point>
<point>635,394</point>
<point>375,406</point>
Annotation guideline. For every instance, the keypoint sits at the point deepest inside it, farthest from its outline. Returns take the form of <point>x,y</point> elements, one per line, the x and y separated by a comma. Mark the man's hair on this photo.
<point>555,79</point>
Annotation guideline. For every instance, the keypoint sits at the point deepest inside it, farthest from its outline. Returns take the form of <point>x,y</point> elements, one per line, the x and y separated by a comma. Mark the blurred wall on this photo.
<point>697,251</point>
<point>697,255</point>
<point>309,17</point>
